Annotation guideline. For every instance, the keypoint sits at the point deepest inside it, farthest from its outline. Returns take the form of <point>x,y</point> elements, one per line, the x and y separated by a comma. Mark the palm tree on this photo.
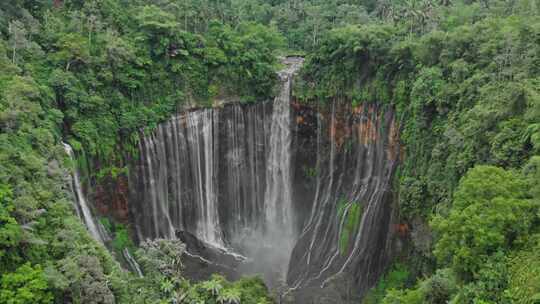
<point>213,286</point>
<point>229,296</point>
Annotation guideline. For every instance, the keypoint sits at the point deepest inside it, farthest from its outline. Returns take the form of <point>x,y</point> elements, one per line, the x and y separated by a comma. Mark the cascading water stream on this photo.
<point>132,262</point>
<point>80,199</point>
<point>279,227</point>
<point>347,239</point>
<point>97,231</point>
<point>202,141</point>
<point>278,194</point>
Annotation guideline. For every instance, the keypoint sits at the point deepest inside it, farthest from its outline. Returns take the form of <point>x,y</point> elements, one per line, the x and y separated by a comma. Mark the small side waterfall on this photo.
<point>82,207</point>
<point>97,231</point>
<point>132,262</point>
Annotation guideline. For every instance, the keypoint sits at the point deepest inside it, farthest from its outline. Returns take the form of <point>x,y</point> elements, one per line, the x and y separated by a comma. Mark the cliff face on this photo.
<point>215,173</point>
<point>346,237</point>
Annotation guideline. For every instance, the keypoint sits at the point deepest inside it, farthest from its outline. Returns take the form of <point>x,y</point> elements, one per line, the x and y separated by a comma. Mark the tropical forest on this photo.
<point>269,151</point>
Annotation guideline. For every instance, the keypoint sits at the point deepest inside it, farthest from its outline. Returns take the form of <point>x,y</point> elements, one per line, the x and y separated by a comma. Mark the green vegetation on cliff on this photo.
<point>350,215</point>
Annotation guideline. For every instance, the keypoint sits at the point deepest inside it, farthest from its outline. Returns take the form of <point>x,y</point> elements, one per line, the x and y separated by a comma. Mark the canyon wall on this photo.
<point>301,194</point>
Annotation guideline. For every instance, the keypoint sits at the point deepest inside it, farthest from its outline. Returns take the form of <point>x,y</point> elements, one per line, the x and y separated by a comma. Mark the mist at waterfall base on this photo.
<point>268,255</point>
<point>97,231</point>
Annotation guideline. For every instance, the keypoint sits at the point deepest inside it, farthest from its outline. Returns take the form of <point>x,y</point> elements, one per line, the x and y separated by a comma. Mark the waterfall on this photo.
<point>201,129</point>
<point>96,229</point>
<point>82,206</point>
<point>354,174</point>
<point>219,173</point>
<point>223,175</point>
<point>278,194</point>
<point>132,262</point>
<point>279,233</point>
<point>276,182</point>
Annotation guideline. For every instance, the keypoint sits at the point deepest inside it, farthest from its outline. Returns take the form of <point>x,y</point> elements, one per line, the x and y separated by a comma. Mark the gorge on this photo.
<point>300,195</point>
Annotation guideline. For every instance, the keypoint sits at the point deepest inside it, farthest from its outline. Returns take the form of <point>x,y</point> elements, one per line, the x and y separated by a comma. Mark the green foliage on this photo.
<point>439,288</point>
<point>94,74</point>
<point>218,290</point>
<point>121,238</point>
<point>163,282</point>
<point>490,212</point>
<point>396,278</point>
<point>117,68</point>
<point>489,284</point>
<point>463,78</point>
<point>350,213</point>
<point>310,172</point>
<point>524,277</point>
<point>161,258</point>
<point>46,253</point>
<point>85,278</point>
<point>408,296</point>
<point>509,145</point>
<point>459,78</point>
<point>484,240</point>
<point>27,285</point>
<point>10,231</point>
<point>456,106</point>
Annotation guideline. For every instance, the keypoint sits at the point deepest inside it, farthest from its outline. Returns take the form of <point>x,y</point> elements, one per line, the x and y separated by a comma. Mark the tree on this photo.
<point>524,278</point>
<point>10,231</point>
<point>27,285</point>
<point>491,210</point>
<point>86,279</point>
<point>156,21</point>
<point>17,38</point>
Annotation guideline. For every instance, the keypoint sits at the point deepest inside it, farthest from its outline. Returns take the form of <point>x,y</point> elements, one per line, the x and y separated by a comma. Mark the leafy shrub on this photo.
<point>396,278</point>
<point>491,210</point>
<point>27,285</point>
<point>351,215</point>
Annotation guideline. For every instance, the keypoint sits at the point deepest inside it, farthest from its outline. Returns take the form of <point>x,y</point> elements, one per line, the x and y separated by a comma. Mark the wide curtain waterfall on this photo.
<point>304,193</point>
<point>203,172</point>
<point>224,175</point>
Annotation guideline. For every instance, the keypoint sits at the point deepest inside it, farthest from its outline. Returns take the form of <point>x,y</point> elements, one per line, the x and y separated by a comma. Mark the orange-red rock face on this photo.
<point>111,198</point>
